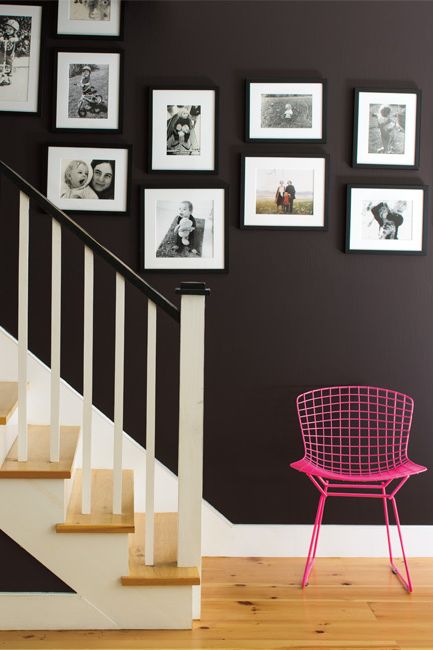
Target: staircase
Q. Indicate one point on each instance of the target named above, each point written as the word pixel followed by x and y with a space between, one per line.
pixel 128 570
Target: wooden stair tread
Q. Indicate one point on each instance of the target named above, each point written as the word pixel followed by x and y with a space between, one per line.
pixel 8 400
pixel 101 519
pixel 39 465
pixel 165 571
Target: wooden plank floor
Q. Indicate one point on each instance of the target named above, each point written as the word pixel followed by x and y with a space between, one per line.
pixel 257 603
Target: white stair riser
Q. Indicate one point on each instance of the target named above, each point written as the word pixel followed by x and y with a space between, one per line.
pixel 8 434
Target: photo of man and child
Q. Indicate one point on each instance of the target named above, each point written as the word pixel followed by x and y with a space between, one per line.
pixel 14 57
pixel 285 191
pixel 387 128
pixel 183 130
pixel 387 220
pixel 87 179
pixel 184 229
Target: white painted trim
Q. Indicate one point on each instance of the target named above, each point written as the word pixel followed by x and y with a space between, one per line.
pixel 23 324
pixel 119 355
pixel 8 435
pixel 150 434
pixel 87 382
pixel 219 535
pixel 191 400
pixel 56 284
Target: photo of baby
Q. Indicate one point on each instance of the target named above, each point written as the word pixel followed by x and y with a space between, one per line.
pixel 284 111
pixel 91 179
pixel 77 177
pixel 183 130
pixel 185 224
pixel 189 233
pixel 90 9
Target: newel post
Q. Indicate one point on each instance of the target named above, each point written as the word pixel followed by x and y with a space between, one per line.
pixel 191 398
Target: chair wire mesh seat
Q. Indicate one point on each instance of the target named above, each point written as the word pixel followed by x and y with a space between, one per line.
pixel 355 445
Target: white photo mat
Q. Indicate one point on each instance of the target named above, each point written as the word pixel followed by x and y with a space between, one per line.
pixel 67 25
pixel 55 179
pixel 409 241
pixel 28 101
pixel 153 235
pixel 256 131
pixel 205 160
pixel 293 167
pixel 365 100
pixel 64 60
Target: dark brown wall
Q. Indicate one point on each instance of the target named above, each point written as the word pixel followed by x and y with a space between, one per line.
pixel 294 311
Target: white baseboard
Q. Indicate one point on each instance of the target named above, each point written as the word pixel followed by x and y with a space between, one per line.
pixel 220 536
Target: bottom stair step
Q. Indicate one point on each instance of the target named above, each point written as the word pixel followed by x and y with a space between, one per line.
pixel 165 571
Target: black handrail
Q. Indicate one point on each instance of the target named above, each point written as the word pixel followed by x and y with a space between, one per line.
pixel 88 240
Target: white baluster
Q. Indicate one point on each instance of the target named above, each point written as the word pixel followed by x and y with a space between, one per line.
pixel 191 387
pixel 119 354
pixel 56 282
pixel 23 300
pixel 150 434
pixel 87 381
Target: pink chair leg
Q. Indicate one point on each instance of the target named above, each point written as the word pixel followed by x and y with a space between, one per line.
pixel 314 539
pixel 406 581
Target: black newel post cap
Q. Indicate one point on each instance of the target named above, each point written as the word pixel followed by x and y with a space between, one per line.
pixel 193 289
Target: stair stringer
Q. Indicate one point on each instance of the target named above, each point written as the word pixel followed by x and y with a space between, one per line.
pixel 91 564
pixel 47 611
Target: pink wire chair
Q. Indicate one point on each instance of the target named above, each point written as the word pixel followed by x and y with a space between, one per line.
pixel 355 444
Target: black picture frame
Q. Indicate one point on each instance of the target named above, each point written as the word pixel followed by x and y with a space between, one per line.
pixel 157 145
pixel 75 129
pixel 97 147
pixel 289 224
pixel 395 145
pixel 388 218
pixel 300 110
pixel 182 190
pixel 89 34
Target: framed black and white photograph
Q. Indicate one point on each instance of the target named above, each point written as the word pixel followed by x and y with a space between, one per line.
pixel 88 91
pixel 386 128
pixel 89 179
pixel 280 192
pixel 285 110
pixel 89 18
pixel 183 124
pixel 386 219
pixel 20 45
pixel 184 229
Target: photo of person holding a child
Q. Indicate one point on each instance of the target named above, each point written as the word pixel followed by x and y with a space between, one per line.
pixel 88 180
pixel 183 130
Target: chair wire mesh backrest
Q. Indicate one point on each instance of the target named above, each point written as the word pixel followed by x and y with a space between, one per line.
pixel 357 430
